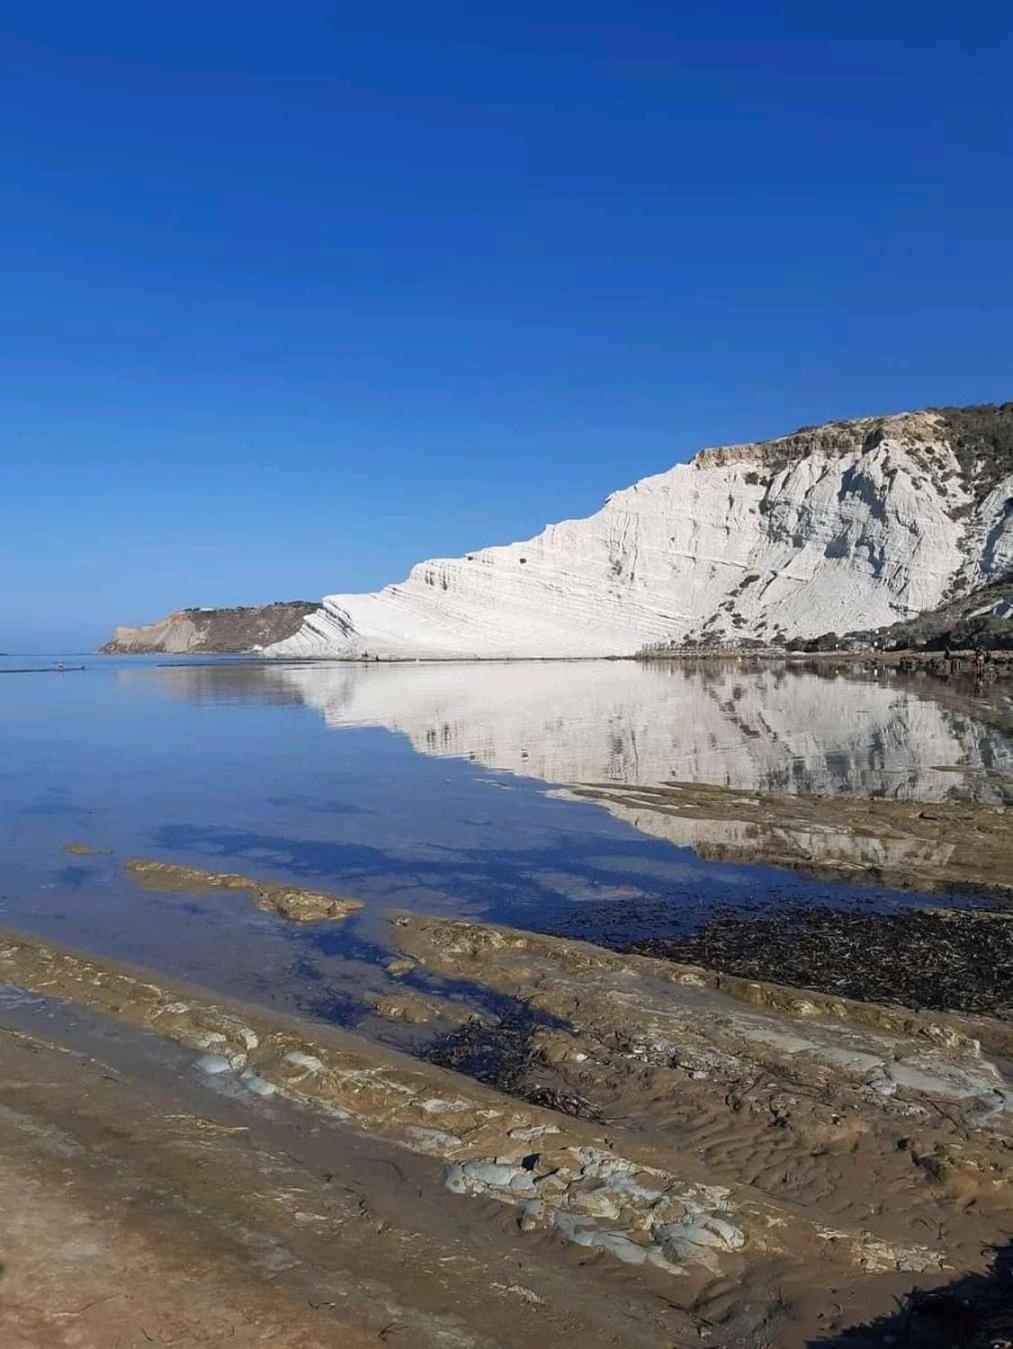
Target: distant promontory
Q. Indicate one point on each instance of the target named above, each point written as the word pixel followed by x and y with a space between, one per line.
pixel 225 631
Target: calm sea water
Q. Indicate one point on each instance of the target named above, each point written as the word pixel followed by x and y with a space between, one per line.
pixel 428 787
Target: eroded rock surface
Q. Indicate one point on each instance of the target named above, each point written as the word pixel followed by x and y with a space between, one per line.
pixel 858 1116
pixel 300 905
pixel 142 1202
pixel 638 1198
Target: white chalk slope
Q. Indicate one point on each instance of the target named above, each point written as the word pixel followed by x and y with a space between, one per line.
pixel 850 525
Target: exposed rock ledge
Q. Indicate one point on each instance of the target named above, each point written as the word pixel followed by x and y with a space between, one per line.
pixel 752 1148
pixel 293 902
pixel 213 630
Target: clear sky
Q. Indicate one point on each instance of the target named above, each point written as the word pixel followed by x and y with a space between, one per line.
pixel 295 295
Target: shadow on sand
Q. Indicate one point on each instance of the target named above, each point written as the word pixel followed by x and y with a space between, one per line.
pixel 973 1312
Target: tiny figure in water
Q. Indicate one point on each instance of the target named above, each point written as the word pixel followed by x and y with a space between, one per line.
pixel 59 666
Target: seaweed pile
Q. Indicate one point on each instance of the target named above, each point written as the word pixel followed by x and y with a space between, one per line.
pixel 505 1055
pixel 932 958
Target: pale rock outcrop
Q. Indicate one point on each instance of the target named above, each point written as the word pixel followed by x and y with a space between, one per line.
pixel 851 525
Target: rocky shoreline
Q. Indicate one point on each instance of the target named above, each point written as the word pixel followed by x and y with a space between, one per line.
pixel 966 664
pixel 672 1156
pixel 514 1138
pixel 798 1089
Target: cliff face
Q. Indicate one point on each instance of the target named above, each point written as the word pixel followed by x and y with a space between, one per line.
pixel 213 630
pixel 854 525
pixel 850 525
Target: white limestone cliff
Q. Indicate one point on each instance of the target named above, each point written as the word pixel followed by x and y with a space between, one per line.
pixel 847 526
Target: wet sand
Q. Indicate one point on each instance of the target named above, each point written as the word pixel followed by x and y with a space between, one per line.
pixel 146 1199
pixel 669 1157
pixel 137 1211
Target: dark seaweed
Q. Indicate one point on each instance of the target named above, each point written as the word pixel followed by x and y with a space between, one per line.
pixel 503 1056
pixel 960 961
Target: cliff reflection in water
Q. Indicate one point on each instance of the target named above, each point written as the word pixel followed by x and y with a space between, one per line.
pixel 773 729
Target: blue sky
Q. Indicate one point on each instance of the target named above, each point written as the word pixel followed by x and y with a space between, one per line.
pixel 295 296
